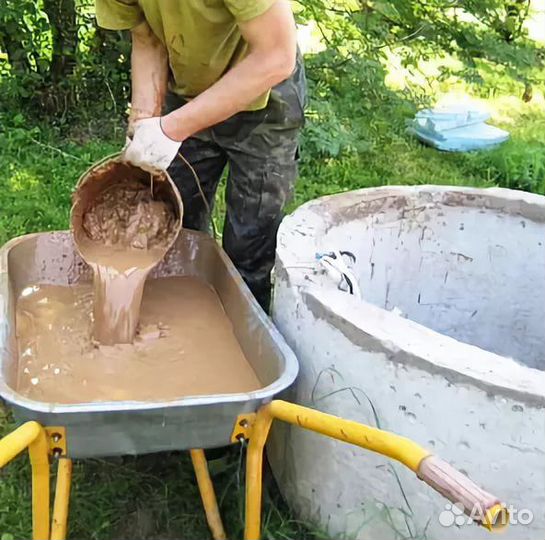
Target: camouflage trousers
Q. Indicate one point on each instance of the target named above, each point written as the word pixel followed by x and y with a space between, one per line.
pixel 260 150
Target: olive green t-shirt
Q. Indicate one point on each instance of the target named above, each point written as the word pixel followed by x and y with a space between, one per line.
pixel 201 36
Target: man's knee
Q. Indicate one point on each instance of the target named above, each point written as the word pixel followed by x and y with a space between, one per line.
pixel 277 191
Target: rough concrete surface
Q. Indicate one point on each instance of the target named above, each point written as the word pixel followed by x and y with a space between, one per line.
pixel 447 348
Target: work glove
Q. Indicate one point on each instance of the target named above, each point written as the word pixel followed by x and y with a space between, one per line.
pixel 149 148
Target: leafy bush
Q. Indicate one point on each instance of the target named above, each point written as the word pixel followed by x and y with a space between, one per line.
pixel 58 63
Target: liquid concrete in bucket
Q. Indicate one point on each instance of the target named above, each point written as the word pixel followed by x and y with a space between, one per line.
pixel 445 347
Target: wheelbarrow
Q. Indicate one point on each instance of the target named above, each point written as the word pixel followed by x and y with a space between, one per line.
pixel 62 432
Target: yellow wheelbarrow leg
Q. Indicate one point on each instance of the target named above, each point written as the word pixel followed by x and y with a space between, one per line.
pixel 33 436
pixel 254 471
pixel 207 494
pixel 62 498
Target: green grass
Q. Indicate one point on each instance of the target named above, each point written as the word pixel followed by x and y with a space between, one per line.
pixel 394 158
pixel 342 149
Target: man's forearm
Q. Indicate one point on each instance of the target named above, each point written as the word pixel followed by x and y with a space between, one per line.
pixel 256 74
pixel 149 72
pixel 272 40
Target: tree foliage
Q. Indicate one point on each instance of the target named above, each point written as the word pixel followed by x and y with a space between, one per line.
pixel 475 31
pixel 481 42
pixel 54 59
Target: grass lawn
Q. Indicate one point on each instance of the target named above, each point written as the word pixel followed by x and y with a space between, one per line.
pixel 147 497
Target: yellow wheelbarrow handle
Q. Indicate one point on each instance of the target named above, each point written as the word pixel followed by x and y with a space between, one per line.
pixel 458 488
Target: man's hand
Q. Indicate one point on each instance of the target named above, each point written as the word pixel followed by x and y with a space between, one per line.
pixel 150 148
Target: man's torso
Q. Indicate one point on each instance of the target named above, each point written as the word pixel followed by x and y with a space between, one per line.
pixel 203 41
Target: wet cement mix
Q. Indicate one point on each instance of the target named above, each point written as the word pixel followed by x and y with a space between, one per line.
pixel 126 214
pixel 126 230
pixel 185 346
pixel 123 338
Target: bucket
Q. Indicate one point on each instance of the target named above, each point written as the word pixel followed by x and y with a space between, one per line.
pixel 124 220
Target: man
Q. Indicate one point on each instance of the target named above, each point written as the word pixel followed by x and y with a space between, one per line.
pixel 230 85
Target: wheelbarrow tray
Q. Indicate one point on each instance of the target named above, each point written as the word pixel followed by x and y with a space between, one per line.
pixel 137 427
